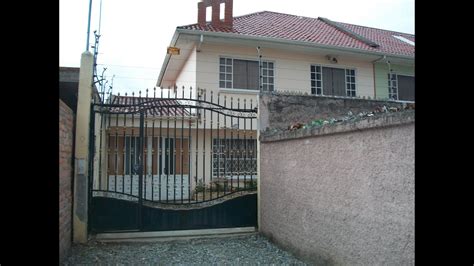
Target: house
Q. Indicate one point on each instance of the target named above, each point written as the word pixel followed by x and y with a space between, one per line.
pixel 218 62
pixel 316 56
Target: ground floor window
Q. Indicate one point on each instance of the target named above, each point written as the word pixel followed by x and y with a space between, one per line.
pixel 161 155
pixel 232 157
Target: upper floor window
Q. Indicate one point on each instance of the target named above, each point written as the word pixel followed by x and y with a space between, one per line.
pixel 243 74
pixel 333 81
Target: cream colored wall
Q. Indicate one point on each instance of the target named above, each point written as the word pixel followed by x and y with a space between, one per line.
pixel 187 76
pixel 292 69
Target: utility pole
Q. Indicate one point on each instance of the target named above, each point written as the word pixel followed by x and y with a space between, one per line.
pixel 89 25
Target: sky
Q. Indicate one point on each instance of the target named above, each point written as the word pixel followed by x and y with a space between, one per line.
pixel 136 33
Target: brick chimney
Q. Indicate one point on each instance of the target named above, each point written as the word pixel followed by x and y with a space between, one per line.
pixel 216 6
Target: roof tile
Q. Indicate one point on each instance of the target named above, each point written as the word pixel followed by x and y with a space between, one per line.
pixel 297 28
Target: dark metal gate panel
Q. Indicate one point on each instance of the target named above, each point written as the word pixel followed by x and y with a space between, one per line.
pixel 172 163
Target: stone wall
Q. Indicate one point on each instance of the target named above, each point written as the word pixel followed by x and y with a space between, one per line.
pixel 66 138
pixel 278 111
pixel 341 194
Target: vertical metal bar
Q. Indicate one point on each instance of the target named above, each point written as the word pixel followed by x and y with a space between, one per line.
pixel 251 151
pixel 168 145
pixel 182 133
pixel 211 156
pixel 153 150
pixel 102 116
pixel 189 147
pixel 218 146
pixel 132 151
pixel 174 144
pixel 160 148
pixel 204 152
pixel 116 151
pixel 145 145
pixel 90 174
pixel 109 149
pixel 232 145
pixel 123 152
pixel 153 159
pixel 140 170
pixel 197 138
pixel 226 156
pixel 246 146
pixel 238 147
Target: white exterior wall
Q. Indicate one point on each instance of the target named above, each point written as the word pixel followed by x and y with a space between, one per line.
pixel 187 76
pixel 292 69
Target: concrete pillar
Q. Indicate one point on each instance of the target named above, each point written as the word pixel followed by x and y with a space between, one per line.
pixel 84 99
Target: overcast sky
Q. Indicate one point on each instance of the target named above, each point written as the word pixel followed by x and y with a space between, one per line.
pixel 135 33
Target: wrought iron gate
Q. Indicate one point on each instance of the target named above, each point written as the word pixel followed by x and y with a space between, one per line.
pixel 181 160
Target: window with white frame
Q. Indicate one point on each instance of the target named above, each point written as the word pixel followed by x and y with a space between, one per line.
pixel 333 81
pixel 268 76
pixel 350 83
pixel 244 74
pixel 232 157
pixel 316 80
pixel 401 87
pixel 225 73
pixel 392 86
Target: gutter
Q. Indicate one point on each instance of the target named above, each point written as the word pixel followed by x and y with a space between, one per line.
pixel 174 40
pixel 285 41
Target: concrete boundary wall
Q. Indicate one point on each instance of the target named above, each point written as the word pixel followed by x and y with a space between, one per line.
pixel 342 194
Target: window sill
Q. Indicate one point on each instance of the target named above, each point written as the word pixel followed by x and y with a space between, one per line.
pixel 239 91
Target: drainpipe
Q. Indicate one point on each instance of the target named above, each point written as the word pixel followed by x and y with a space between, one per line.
pixel 201 40
pixel 373 68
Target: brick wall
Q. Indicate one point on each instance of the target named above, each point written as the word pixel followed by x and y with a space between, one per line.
pixel 66 138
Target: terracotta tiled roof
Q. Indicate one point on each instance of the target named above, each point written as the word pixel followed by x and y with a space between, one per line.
pixel 313 30
pixel 155 106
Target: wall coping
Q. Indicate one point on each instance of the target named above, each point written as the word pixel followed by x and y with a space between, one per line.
pixel 376 121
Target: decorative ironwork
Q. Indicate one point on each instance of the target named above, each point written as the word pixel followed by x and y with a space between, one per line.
pixel 181 147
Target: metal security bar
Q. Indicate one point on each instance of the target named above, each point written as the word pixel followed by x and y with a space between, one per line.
pixel 178 147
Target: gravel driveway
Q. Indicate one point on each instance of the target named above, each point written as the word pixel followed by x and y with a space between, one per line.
pixel 237 250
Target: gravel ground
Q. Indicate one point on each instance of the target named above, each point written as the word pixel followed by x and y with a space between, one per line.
pixel 238 250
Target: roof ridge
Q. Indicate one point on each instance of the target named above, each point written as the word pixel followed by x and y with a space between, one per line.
pixel 413 35
pixel 349 32
pixel 300 16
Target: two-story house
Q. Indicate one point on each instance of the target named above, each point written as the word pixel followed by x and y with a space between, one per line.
pixel 231 59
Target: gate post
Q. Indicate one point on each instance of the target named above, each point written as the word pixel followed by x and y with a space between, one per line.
pixel 81 163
